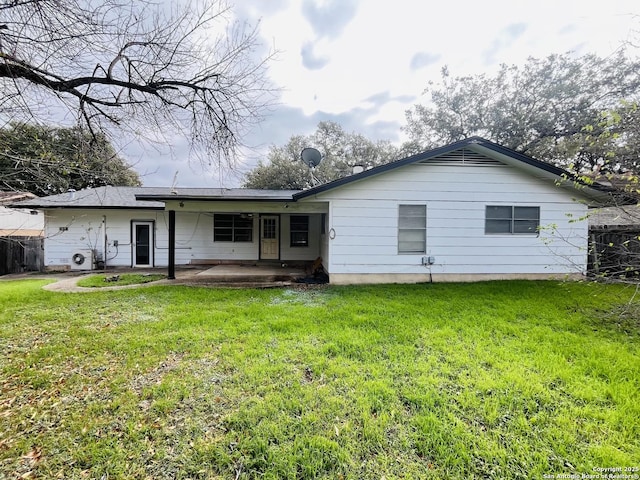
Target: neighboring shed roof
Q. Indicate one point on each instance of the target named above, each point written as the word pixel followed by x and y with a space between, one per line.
pixel 100 197
pixel 615 218
pixel 477 145
pixel 7 198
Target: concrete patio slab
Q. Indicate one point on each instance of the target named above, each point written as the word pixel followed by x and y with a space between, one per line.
pixel 254 271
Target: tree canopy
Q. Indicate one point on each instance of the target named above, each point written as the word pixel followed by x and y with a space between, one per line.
pixel 153 69
pixel 556 109
pixel 46 160
pixel 341 152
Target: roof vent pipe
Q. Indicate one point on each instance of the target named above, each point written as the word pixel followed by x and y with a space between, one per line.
pixel 358 169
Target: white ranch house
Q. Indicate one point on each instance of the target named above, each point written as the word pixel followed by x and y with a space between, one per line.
pixel 472 210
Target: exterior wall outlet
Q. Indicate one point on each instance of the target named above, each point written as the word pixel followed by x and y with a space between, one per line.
pixel 428 260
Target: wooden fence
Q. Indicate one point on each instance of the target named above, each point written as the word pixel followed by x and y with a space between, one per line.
pixel 20 254
pixel 615 253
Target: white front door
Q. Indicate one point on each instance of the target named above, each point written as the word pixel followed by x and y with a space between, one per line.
pixel 142 243
pixel 269 237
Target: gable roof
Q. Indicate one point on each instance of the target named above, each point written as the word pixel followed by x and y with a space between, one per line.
pixel 483 147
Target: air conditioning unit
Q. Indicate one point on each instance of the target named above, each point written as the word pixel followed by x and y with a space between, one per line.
pixel 82 260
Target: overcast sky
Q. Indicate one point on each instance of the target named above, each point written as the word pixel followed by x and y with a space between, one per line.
pixel 363 63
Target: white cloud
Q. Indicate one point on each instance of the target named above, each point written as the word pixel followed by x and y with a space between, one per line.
pixel 505 39
pixel 364 63
pixel 329 18
pixel 424 59
pixel 310 59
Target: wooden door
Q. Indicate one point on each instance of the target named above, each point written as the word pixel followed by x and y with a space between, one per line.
pixel 269 237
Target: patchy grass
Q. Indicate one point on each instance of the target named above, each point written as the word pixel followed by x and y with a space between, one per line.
pixel 112 280
pixel 492 380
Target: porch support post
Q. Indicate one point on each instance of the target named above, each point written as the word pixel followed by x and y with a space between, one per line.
pixel 172 245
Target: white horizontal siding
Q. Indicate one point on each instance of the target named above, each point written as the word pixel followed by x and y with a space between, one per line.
pixel 194 233
pixel 20 219
pixel 476 254
pixel 86 231
pixel 310 252
pixel 364 220
pixel 194 237
pixel 401 269
pixel 467 196
pixel 447 260
pixel 119 228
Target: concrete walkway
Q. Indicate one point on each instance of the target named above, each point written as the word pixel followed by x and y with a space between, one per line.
pixel 70 285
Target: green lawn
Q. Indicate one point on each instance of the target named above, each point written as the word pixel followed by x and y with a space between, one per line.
pixel 491 380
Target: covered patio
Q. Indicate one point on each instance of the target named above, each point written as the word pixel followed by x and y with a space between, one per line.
pixel 264 228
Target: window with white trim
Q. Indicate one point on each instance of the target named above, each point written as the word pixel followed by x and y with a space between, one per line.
pixel 232 227
pixel 509 219
pixel 412 229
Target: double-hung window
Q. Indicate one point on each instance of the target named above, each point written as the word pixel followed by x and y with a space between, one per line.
pixel 299 226
pixel 507 219
pixel 232 228
pixel 412 229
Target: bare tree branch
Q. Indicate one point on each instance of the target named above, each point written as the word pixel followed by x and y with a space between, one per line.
pixel 139 66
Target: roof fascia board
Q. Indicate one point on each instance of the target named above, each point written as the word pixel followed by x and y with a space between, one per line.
pixel 177 198
pixel 84 207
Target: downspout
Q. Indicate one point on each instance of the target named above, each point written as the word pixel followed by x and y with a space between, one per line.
pixel 172 245
pixel 104 243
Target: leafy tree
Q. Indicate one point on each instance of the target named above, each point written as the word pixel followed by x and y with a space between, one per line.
pixel 341 152
pixel 45 160
pixel 548 108
pixel 154 69
pixel 617 138
pixel 614 251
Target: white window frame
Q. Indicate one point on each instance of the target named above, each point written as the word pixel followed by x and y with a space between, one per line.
pixel 513 220
pixel 404 229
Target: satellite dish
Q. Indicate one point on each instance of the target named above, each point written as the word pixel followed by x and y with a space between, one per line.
pixel 311 157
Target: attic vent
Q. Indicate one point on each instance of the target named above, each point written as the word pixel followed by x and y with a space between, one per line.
pixel 462 157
